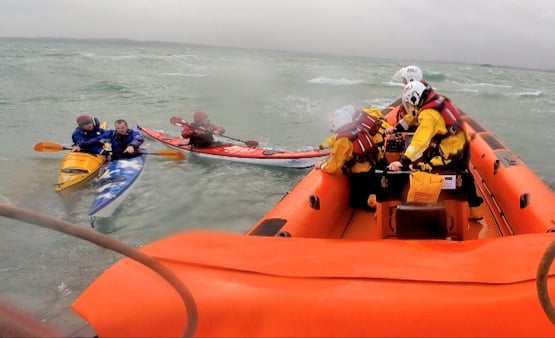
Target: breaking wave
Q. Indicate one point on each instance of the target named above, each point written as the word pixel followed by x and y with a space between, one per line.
pixel 334 82
pixel 185 74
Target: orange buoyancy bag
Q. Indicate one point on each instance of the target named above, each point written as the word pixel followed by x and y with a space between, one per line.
pixel 447 110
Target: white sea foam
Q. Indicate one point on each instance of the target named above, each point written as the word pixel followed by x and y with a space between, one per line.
pixel 377 102
pixel 64 289
pixel 87 54
pixel 393 84
pixel 185 74
pixel 468 90
pixel 531 93
pixel 138 56
pixel 334 82
pixel 482 84
pixel 293 105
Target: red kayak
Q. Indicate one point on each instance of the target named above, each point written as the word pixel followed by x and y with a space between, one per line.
pixel 240 153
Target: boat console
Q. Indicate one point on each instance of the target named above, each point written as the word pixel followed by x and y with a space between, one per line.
pixel 446 219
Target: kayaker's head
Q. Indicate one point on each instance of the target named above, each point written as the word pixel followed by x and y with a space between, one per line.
pixel 408 74
pixel 341 117
pixel 85 122
pixel 121 127
pixel 415 94
pixel 200 117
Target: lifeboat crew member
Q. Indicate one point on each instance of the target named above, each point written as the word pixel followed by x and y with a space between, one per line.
pixel 87 129
pixel 201 132
pixel 405 75
pixel 408 74
pixel 357 150
pixel 439 139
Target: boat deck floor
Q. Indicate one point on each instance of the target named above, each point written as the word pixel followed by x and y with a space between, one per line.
pixel 363 226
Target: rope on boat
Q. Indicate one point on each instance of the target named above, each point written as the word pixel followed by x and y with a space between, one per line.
pixel 541 281
pixel 33 217
pixel 13 323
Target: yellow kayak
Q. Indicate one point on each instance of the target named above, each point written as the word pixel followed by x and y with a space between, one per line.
pixel 78 167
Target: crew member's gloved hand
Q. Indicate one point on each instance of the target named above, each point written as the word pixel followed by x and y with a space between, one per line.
pixel 403 163
pixel 395 166
pixel 422 166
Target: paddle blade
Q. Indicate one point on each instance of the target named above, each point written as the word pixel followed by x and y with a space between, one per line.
pixel 49 147
pixel 178 121
pixel 175 154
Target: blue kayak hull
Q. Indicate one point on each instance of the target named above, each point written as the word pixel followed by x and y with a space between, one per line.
pixel 114 183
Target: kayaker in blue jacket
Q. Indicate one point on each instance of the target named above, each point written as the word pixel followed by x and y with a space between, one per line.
pixel 87 129
pixel 124 142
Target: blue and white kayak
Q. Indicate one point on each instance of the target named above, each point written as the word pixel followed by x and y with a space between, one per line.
pixel 114 184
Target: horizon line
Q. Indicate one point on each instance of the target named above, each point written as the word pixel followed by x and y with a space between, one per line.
pixel 120 39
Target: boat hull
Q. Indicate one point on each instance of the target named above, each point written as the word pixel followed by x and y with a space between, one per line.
pixel 305 287
pixel 242 154
pixel 312 266
pixel 114 184
pixel 76 168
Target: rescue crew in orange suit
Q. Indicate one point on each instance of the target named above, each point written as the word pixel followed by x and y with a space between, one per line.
pixel 201 132
pixel 357 151
pixel 439 139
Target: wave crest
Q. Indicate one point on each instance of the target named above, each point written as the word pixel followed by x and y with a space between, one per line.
pixel 530 94
pixel 334 82
pixel 185 74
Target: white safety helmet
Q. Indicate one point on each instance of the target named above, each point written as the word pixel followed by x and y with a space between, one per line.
pixel 414 95
pixel 341 117
pixel 408 74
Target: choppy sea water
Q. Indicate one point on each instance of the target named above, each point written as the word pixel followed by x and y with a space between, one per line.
pixel 280 99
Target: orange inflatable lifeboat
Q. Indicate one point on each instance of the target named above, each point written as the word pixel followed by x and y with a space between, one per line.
pixel 312 266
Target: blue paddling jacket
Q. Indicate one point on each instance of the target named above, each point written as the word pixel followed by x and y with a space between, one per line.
pixel 82 137
pixel 120 142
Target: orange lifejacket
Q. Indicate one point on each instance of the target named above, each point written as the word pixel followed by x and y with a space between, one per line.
pixel 446 109
pixel 368 123
pixel 363 144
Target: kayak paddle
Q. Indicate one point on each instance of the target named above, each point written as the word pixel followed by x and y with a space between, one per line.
pixel 49 147
pixel 52 147
pixel 169 153
pixel 177 121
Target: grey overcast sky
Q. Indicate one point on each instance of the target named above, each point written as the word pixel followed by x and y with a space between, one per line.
pixel 517 33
